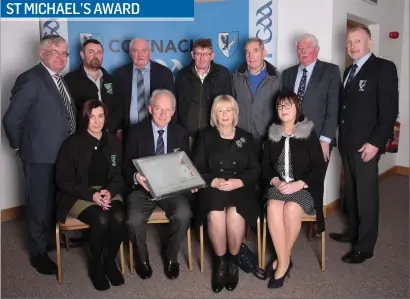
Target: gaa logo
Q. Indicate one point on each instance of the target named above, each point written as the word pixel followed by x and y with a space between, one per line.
pixel 87 36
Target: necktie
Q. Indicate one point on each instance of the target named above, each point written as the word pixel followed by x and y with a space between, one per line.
pixel 67 103
pixel 351 75
pixel 142 110
pixel 160 143
pixel 302 86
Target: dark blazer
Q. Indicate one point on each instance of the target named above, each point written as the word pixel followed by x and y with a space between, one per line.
pixel 83 89
pixel 368 113
pixel 140 143
pixel 160 78
pixel 308 164
pixel 36 121
pixel 321 99
pixel 72 170
pixel 189 88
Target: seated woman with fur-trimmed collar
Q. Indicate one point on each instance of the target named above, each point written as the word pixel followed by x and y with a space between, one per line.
pixel 294 166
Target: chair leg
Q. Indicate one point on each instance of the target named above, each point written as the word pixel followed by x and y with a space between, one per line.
pixel 131 257
pixel 201 246
pixel 263 243
pixel 58 249
pixel 258 230
pixel 188 236
pixel 323 248
pixel 67 240
pixel 122 257
pixel 310 231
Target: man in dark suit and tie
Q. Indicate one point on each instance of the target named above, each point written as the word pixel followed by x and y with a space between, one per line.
pixel 367 116
pixel 317 84
pixel 137 80
pixel 148 138
pixel 41 115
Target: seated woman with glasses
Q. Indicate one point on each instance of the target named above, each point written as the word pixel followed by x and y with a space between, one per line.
pixel 89 185
pixel 224 155
pixel 293 164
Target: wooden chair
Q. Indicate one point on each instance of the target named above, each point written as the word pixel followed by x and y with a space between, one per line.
pixel 158 216
pixel 201 243
pixel 305 218
pixel 74 224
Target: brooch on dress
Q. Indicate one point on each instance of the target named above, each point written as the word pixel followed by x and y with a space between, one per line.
pixel 240 142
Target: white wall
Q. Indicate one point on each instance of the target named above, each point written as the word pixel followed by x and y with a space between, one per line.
pixel 403 155
pixel 384 17
pixel 18 53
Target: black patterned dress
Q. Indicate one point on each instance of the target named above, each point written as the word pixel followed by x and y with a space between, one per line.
pixel 284 168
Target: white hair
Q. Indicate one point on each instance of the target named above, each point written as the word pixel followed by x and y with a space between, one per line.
pixel 308 36
pixel 158 92
pixel 137 39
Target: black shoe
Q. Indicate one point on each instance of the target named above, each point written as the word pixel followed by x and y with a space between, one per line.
pixel 171 269
pixel 342 238
pixel 113 273
pixel 143 269
pixel 219 274
pixel 97 275
pixel 232 277
pixel 356 257
pixel 42 263
pixel 270 271
pixel 278 283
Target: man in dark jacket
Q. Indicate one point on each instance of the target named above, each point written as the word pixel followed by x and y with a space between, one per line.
pixel 91 81
pixel 197 85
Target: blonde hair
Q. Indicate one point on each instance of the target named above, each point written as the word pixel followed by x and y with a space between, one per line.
pixel 224 98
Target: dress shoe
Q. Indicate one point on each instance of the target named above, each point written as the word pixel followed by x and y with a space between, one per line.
pixel 356 257
pixel 278 283
pixel 113 273
pixel 143 269
pixel 42 263
pixel 219 273
pixel 97 275
pixel 232 277
pixel 342 238
pixel 171 269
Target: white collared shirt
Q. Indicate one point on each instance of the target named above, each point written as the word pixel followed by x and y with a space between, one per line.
pixel 202 77
pixel 52 73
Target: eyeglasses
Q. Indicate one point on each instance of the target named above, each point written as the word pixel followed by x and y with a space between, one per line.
pixel 286 106
pixel 55 53
pixel 206 55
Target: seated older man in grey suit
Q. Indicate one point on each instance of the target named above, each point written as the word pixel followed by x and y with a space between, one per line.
pixel 317 84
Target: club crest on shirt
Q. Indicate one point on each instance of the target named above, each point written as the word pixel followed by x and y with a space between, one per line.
pixel 108 87
pixel 114 160
pixel 362 85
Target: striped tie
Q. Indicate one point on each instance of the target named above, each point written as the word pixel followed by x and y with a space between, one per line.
pixel 142 109
pixel 160 143
pixel 351 75
pixel 67 103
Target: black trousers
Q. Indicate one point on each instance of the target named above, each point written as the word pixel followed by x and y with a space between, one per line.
pixel 40 205
pixel 139 209
pixel 107 229
pixel 362 199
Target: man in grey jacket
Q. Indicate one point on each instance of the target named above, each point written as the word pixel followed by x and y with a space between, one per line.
pixel 254 85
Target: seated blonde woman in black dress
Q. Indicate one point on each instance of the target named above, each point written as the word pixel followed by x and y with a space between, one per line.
pixel 293 164
pixel 224 155
pixel 89 182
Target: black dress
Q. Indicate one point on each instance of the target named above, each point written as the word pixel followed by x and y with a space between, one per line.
pixel 216 157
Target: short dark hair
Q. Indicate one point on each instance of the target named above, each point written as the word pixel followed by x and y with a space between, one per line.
pixel 202 43
pixel 88 108
pixel 288 96
pixel 364 28
pixel 91 41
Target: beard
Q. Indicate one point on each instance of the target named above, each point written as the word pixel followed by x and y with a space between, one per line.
pixel 95 63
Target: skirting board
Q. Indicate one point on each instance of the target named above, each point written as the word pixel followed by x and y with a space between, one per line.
pixel 17 213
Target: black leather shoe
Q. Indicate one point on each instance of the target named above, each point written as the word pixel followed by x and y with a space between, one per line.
pixel 342 238
pixel 171 269
pixel 219 274
pixel 143 269
pixel 356 257
pixel 278 283
pixel 42 263
pixel 232 277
